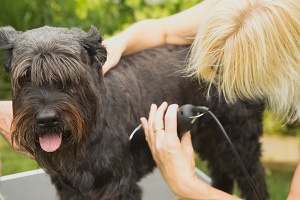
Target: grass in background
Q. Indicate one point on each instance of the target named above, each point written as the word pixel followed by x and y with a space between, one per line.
pixel 278 182
pixel 13 162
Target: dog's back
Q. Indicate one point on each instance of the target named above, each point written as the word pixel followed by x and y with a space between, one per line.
pixel 154 76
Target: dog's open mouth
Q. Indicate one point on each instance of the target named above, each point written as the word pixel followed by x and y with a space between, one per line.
pixel 50 142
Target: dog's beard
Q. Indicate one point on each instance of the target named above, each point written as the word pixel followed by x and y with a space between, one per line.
pixel 64 141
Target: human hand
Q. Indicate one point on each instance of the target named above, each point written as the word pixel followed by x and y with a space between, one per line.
pixel 6 117
pixel 115 47
pixel 174 158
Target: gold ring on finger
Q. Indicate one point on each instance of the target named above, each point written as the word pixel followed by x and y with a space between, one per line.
pixel 159 129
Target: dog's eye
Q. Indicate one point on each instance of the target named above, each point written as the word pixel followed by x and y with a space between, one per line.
pixel 26 73
pixel 25 76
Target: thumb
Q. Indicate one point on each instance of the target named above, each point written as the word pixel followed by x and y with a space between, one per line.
pixel 186 143
pixel 107 66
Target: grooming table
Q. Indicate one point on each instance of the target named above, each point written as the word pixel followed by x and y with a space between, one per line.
pixel 36 185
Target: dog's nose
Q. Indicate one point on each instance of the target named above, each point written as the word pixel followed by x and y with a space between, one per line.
pixel 47 118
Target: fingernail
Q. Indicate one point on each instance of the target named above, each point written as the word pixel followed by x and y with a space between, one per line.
pixel 154 105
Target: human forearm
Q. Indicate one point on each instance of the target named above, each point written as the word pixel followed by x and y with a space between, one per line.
pixel 294 191
pixel 142 35
pixel 177 29
pixel 6 135
pixel 198 190
pixel 5 119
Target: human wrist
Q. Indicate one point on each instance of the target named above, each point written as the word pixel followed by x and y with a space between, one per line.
pixel 140 36
pixel 127 39
pixel 291 197
pixel 123 39
pixel 194 189
pixel 120 40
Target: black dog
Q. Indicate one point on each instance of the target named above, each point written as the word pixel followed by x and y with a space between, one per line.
pixel 76 123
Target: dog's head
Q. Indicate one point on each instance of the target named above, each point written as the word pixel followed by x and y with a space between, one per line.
pixel 54 75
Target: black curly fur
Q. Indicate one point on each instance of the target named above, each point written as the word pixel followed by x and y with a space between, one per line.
pixel 97 161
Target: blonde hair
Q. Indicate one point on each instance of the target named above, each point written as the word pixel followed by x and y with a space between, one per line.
pixel 250 49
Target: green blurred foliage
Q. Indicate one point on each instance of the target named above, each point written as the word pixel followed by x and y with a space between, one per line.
pixel 276 126
pixel 109 16
pixel 13 162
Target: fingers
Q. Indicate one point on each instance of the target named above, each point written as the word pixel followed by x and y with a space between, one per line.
pixel 151 118
pixel 106 67
pixel 186 142
pixel 148 128
pixel 109 64
pixel 145 127
pixel 158 121
pixel 171 120
pixel 166 142
pixel 114 53
pixel 154 126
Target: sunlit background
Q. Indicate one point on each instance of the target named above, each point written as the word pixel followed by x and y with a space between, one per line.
pixel 280 142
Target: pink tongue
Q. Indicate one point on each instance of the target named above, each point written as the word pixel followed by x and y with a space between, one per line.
pixel 50 142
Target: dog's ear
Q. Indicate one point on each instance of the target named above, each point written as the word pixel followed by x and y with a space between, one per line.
pixel 92 43
pixel 7 35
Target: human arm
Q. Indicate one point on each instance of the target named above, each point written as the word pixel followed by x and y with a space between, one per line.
pixel 5 119
pixel 6 116
pixel 177 29
pixel 295 186
pixel 174 157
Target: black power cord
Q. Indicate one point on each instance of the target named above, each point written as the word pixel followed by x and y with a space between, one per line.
pixel 240 162
pixel 187 115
